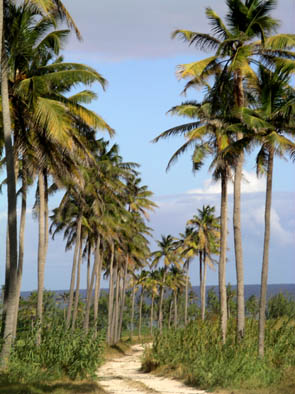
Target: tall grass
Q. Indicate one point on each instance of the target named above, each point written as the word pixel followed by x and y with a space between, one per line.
pixel 62 353
pixel 196 353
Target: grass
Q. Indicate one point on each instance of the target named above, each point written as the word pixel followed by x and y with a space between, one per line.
pixel 196 355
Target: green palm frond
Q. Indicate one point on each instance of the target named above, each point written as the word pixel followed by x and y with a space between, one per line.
pixel 54 41
pixel 90 118
pixel 196 68
pixel 188 109
pixel 200 40
pixel 280 41
pixel 179 152
pixel 83 97
pixel 217 24
pixel 178 130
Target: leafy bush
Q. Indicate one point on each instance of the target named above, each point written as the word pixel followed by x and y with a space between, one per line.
pixel 62 353
pixel 197 354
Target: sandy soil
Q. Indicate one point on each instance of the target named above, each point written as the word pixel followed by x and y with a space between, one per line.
pixel 122 375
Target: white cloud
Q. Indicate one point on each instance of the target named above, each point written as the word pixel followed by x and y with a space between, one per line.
pixel 250 184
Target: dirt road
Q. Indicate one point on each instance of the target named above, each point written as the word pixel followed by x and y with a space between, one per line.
pixel 122 375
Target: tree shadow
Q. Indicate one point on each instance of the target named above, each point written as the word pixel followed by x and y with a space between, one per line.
pixel 56 388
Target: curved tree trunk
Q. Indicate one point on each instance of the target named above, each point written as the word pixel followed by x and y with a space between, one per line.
pixel 237 221
pixel 73 275
pixel 222 257
pixel 41 254
pixel 77 291
pixel 12 219
pixel 264 273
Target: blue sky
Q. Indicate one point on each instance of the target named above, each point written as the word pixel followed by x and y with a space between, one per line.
pixel 129 44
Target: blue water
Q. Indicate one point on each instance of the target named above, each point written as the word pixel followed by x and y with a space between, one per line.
pixel 288 289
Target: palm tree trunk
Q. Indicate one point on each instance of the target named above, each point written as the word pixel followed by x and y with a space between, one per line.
pixel 12 221
pixel 237 221
pixel 264 273
pixel 222 257
pixel 111 296
pixel 73 275
pixel 89 293
pixel 116 310
pixel 41 254
pixel 203 290
pixel 175 308
pixel 46 212
pixel 123 298
pixel 170 313
pixel 7 276
pixel 201 279
pixel 21 244
pixel 160 322
pixel 77 292
pixel 152 313
pixel 186 293
pixel 132 312
pixel 140 313
pixel 113 316
pixel 97 291
pixel 88 265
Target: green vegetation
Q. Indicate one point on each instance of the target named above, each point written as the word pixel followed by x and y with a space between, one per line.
pixel 196 353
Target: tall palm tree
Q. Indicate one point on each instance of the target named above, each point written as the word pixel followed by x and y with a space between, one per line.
pixel 208 134
pixel 270 122
pixel 237 46
pixel 53 6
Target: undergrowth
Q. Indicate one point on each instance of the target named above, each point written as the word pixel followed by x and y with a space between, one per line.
pixel 62 353
pixel 196 354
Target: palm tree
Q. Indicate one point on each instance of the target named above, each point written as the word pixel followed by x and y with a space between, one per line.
pixel 188 248
pixel 208 133
pixel 176 282
pixel 166 252
pixel 269 122
pixel 54 6
pixel 152 286
pixel 208 230
pixel 236 49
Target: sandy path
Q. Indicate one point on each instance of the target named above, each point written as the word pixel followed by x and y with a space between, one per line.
pixel 122 375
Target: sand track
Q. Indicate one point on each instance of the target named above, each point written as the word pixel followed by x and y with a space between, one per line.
pixel 122 375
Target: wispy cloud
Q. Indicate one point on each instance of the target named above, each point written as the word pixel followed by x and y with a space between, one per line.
pixel 250 184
